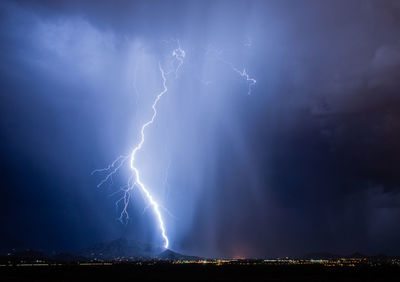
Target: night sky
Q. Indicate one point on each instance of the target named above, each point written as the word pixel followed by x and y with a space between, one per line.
pixel 308 162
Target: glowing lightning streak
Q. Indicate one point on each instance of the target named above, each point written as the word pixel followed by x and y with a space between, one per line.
pixel 245 75
pixel 251 81
pixel 178 54
pixel 138 182
pixel 115 166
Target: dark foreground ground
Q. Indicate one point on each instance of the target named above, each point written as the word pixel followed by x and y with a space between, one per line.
pixel 170 272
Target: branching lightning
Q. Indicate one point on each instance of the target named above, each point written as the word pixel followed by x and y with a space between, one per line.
pixel 135 180
pixel 245 75
pixel 113 167
pixel 218 54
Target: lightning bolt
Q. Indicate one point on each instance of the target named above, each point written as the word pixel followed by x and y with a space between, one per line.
pixel 245 75
pixel 178 55
pixel 135 180
pixel 138 181
pixel 218 55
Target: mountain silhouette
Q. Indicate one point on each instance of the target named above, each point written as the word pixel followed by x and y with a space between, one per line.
pixel 171 255
pixel 121 249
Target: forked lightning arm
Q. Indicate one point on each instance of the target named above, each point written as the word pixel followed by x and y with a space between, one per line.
pixel 217 53
pixel 244 74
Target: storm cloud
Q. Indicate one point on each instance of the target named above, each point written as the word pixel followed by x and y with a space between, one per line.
pixel 307 162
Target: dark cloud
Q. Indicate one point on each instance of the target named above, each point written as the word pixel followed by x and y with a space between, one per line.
pixel 307 163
